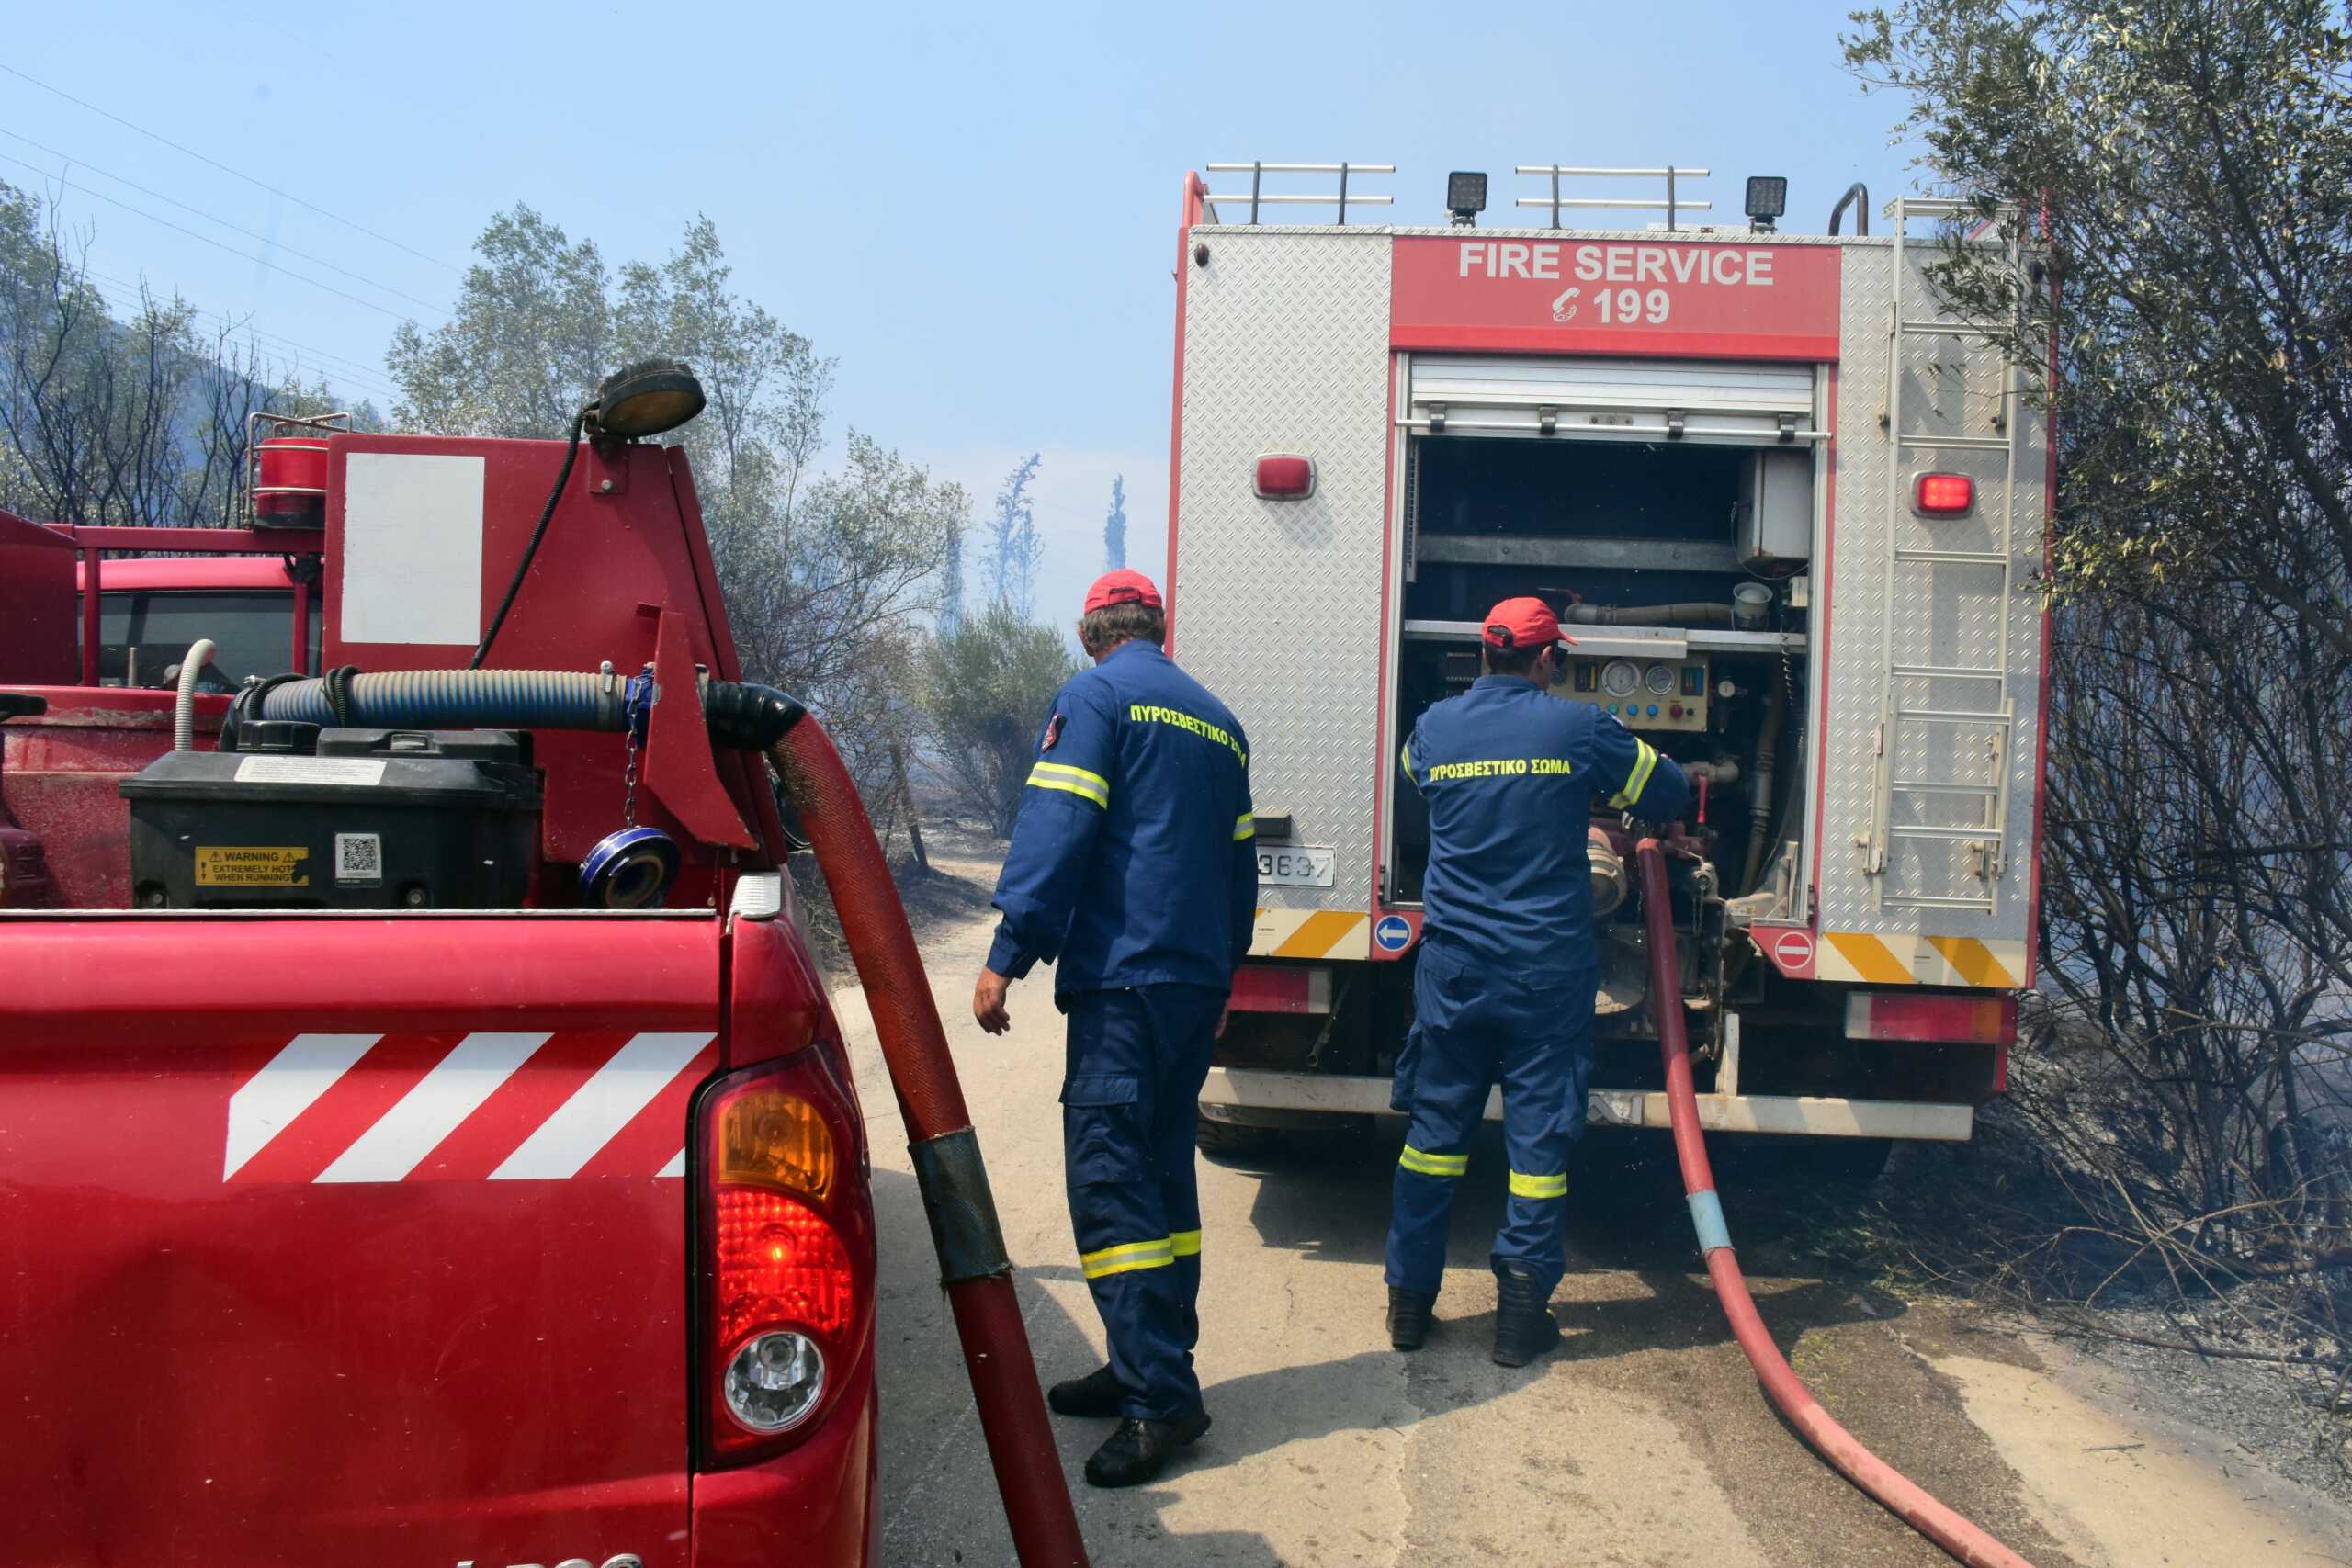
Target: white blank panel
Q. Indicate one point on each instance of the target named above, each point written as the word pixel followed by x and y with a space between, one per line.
pixel 412 549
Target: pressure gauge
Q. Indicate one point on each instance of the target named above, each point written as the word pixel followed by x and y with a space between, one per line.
pixel 1660 680
pixel 1620 677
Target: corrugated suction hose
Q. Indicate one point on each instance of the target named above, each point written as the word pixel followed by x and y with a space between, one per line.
pixel 1903 1497
pixel 200 654
pixel 988 1314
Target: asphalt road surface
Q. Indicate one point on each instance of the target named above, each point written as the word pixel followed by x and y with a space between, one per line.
pixel 1644 1441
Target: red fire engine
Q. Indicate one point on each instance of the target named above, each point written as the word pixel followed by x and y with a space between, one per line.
pixel 1789 506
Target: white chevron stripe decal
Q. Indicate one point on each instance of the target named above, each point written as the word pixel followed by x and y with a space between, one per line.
pixel 282 1091
pixel 601 1107
pixel 452 1092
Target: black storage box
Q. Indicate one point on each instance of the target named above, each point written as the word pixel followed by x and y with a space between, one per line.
pixel 306 818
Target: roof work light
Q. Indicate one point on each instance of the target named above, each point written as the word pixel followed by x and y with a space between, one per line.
pixel 645 399
pixel 1767 198
pixel 1465 196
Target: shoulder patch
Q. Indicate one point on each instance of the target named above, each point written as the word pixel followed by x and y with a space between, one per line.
pixel 1053 732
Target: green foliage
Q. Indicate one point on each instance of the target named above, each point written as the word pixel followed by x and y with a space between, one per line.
pixel 827 578
pixel 984 696
pixel 2192 164
pixel 531 335
pixel 2182 172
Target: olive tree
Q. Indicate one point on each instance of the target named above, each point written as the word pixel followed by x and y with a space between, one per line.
pixel 829 579
pixel 984 694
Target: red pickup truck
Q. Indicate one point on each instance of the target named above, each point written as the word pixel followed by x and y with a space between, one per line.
pixel 350 1219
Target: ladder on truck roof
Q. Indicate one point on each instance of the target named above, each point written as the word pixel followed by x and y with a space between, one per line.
pixel 1947 727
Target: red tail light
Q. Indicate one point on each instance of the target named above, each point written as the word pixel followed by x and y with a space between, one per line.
pixel 787 1282
pixel 1943 495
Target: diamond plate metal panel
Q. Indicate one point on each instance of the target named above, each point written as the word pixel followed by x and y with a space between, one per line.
pixel 1944 614
pixel 1278 602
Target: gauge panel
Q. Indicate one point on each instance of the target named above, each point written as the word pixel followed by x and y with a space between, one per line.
pixel 1670 694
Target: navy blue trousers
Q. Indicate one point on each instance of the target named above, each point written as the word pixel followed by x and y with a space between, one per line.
pixel 1472 1029
pixel 1131 1093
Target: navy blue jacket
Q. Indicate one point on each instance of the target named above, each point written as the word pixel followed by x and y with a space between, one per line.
pixel 1510 776
pixel 1134 861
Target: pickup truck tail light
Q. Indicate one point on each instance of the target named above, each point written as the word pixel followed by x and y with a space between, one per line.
pixel 787 1286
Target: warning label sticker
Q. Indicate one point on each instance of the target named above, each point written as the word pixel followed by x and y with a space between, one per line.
pixel 252 865
pixel 311 770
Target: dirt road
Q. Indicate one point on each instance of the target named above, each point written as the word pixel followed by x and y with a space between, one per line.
pixel 1643 1441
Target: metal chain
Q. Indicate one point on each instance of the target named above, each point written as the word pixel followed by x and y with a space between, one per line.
pixel 628 797
pixel 634 718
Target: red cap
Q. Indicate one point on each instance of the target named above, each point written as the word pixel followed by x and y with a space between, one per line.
pixel 1122 587
pixel 1524 622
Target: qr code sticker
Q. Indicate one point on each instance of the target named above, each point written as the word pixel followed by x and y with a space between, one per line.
pixel 358 857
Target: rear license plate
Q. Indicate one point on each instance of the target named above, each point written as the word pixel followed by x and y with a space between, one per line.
pixel 1294 866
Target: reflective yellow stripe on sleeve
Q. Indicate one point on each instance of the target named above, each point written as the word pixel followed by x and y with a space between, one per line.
pixel 1525 1186
pixel 1404 758
pixel 1128 1257
pixel 1645 764
pixel 1245 827
pixel 1186 1244
pixel 1413 1159
pixel 1077 781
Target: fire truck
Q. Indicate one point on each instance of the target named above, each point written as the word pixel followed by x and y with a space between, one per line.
pixel 424 1137
pixel 1790 506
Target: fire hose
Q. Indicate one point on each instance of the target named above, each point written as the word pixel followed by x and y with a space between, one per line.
pixel 1902 1497
pixel 955 1189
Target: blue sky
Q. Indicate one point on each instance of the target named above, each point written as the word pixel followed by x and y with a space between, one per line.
pixel 973 210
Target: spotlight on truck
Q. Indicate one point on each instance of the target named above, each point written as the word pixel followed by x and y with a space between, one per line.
pixel 1465 196
pixel 647 399
pixel 1767 198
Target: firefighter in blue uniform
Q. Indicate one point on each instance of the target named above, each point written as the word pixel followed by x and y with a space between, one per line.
pixel 1503 991
pixel 1134 870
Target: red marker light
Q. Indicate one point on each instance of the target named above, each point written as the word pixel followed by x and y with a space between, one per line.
pixel 1282 477
pixel 1943 495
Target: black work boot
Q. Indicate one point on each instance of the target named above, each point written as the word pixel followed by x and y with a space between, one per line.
pixel 1524 1327
pixel 1408 1318
pixel 1139 1450
pixel 1096 1394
